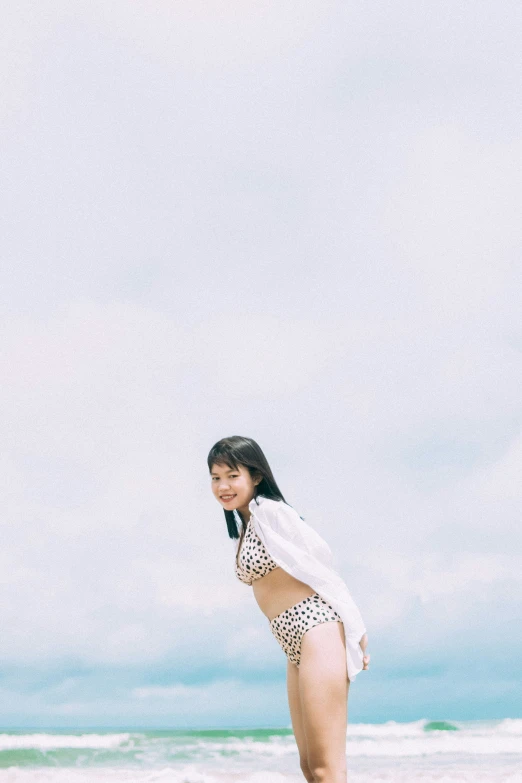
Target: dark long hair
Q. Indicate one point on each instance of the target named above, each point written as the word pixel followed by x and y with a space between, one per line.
pixel 235 451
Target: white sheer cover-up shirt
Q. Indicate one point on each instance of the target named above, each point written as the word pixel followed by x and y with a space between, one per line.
pixel 297 548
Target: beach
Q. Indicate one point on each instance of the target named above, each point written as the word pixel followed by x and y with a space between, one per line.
pixel 428 751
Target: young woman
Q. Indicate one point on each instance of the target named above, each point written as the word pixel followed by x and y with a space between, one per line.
pixel 309 609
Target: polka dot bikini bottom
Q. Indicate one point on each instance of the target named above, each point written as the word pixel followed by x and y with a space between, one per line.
pixel 290 626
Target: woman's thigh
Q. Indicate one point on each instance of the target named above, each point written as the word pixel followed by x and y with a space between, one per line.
pixel 294 702
pixel 323 690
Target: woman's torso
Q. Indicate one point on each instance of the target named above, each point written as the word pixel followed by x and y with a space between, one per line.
pixel 275 590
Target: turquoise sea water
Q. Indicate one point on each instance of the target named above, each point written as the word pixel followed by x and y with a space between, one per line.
pixel 443 751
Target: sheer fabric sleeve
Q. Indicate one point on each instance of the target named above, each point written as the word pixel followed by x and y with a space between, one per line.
pixel 287 519
pixel 297 548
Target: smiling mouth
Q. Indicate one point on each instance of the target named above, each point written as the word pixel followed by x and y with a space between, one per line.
pixel 227 498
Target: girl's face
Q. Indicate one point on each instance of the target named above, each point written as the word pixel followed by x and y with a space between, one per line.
pixel 233 488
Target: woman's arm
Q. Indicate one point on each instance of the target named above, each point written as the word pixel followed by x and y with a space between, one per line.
pixel 295 547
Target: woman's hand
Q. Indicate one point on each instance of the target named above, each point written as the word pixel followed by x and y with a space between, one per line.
pixel 363 645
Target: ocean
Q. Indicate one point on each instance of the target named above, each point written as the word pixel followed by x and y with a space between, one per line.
pixel 424 751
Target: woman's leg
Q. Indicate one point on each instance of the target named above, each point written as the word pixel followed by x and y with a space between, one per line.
pixel 323 690
pixel 294 702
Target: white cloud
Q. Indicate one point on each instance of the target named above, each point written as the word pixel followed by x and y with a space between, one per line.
pixel 453 221
pixel 296 224
pixel 451 582
pixel 109 575
pixel 503 481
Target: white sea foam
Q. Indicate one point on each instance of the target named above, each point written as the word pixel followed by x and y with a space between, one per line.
pixel 417 728
pixel 474 752
pixel 458 773
pixel 510 726
pixel 188 774
pixel 364 740
pixel 55 741
pixel 389 729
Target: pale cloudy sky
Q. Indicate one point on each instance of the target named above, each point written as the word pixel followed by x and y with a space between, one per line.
pixel 296 223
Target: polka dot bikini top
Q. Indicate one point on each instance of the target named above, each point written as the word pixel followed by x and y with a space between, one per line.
pixel 254 560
